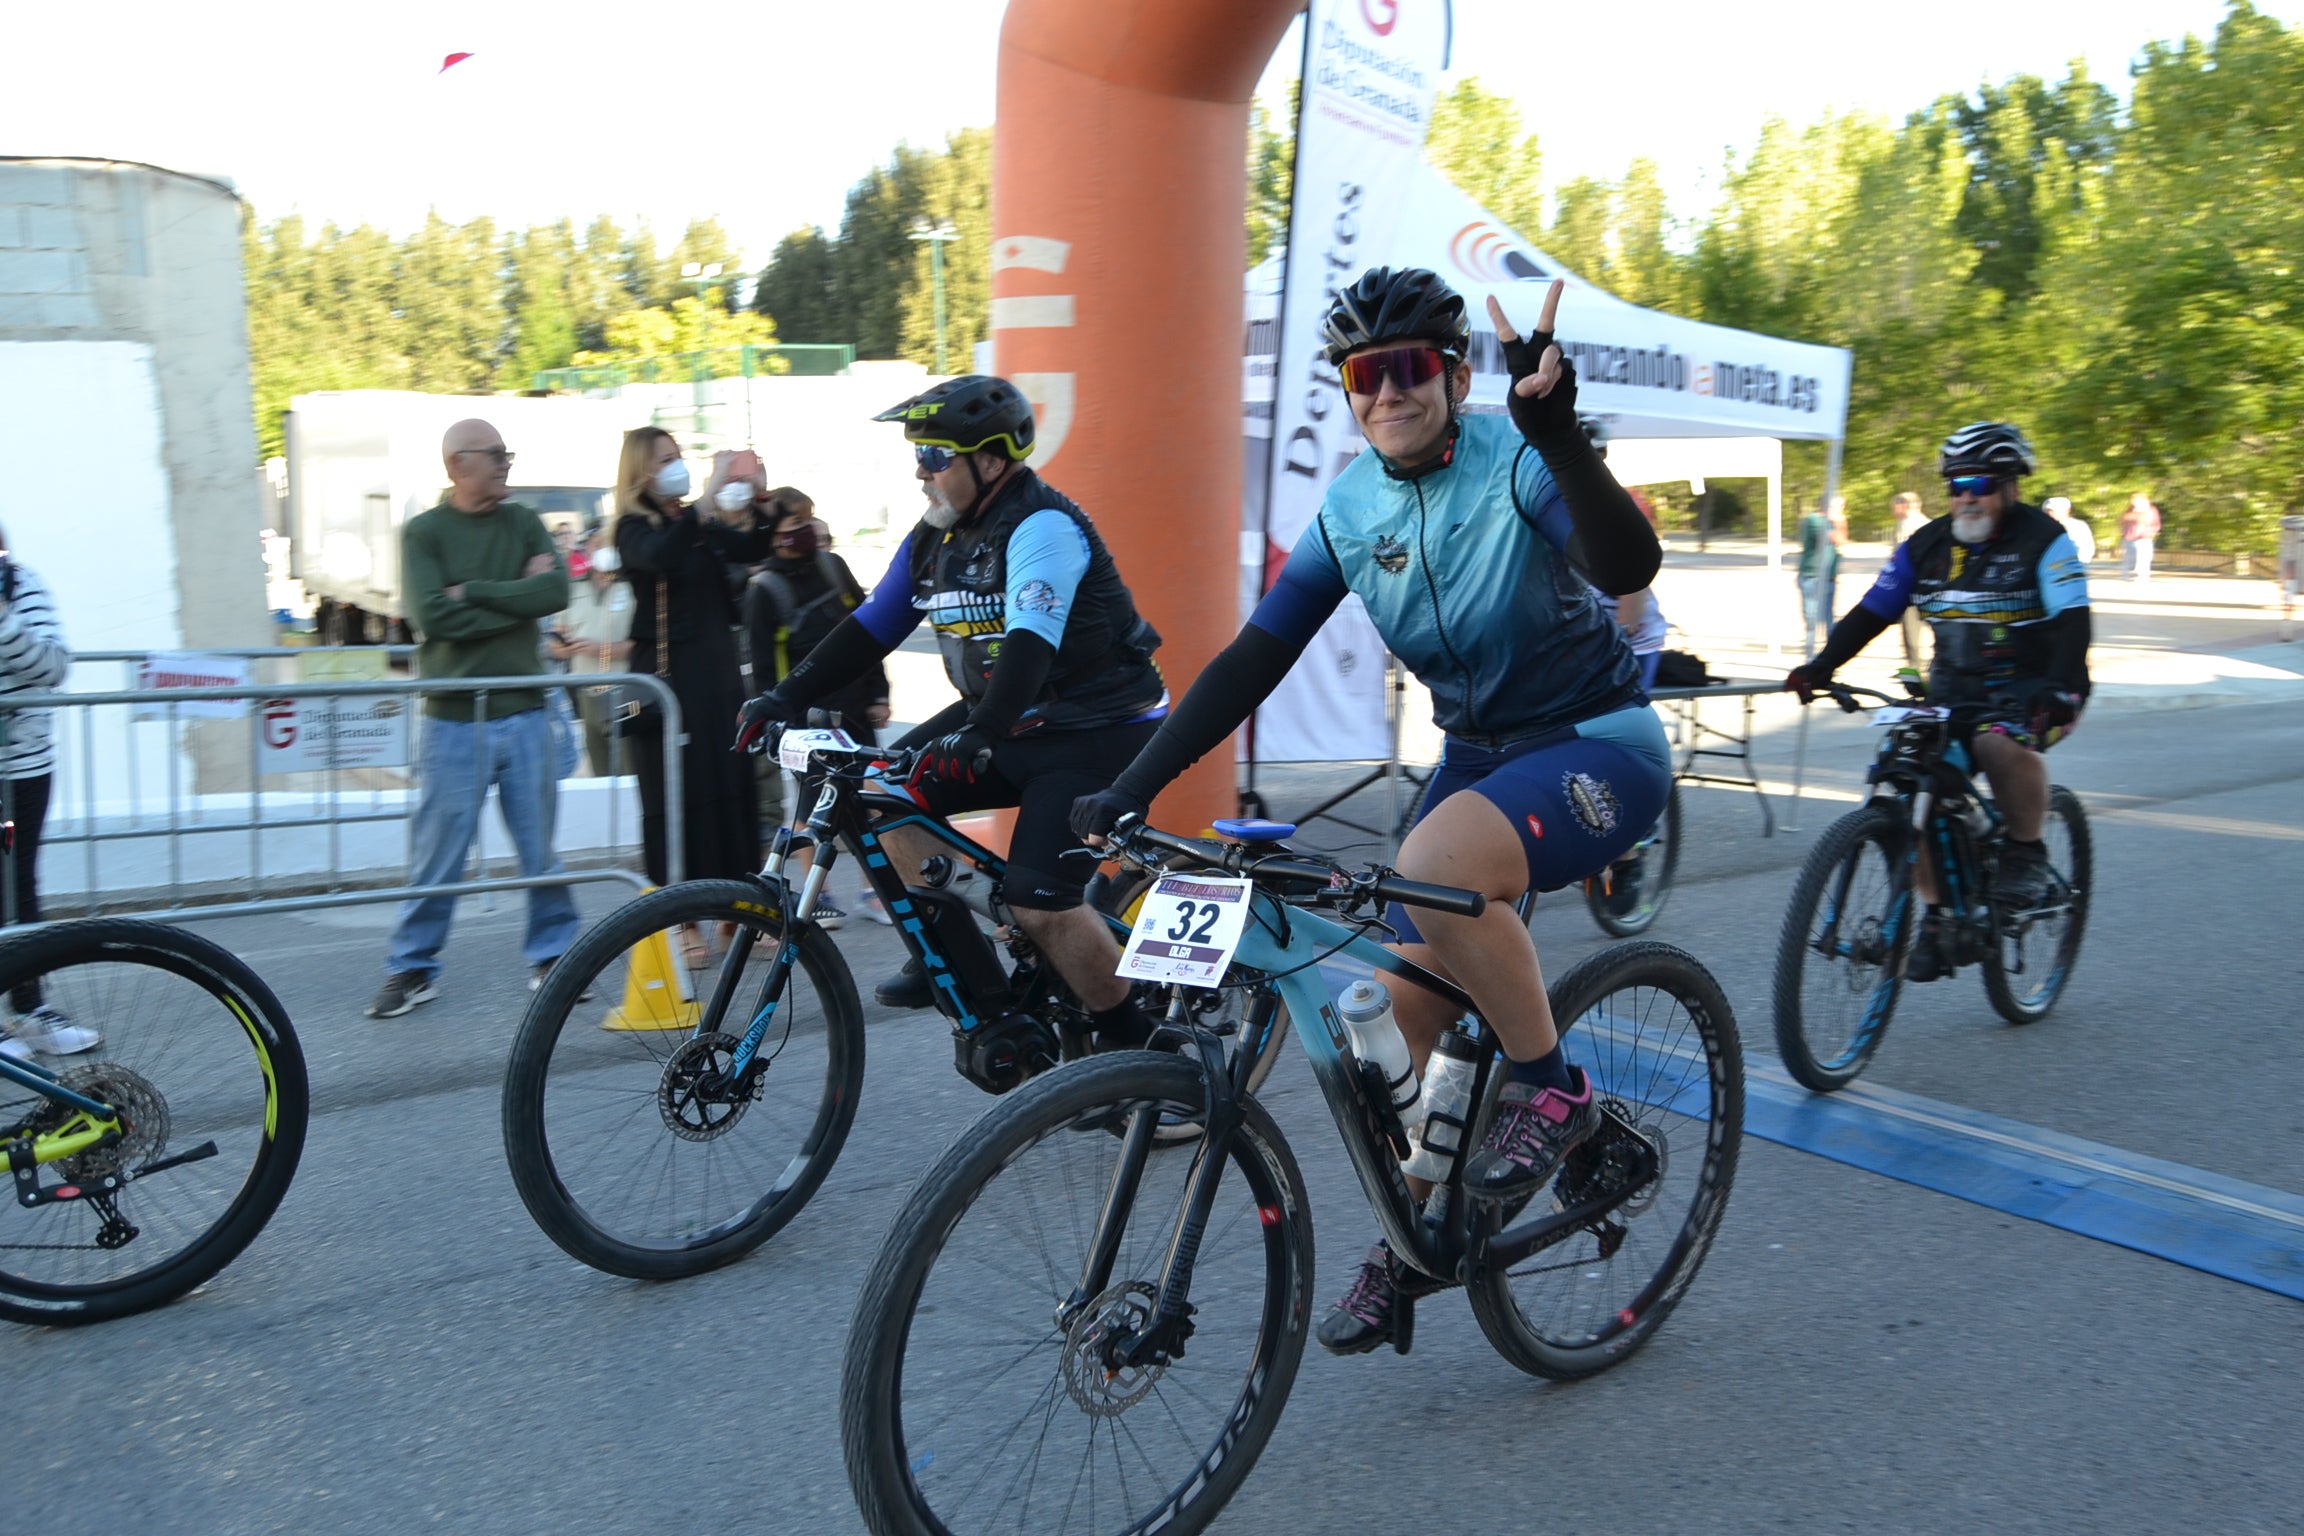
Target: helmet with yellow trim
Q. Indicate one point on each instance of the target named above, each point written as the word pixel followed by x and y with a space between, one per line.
pixel 975 413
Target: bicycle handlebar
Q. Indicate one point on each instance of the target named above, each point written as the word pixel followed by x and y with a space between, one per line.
pixel 1229 856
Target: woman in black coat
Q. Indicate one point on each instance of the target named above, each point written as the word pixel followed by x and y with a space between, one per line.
pixel 678 556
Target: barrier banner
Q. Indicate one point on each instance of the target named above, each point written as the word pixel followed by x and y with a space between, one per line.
pixel 191 669
pixel 1371 70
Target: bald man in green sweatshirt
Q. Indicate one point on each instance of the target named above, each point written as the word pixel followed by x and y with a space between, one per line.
pixel 478 571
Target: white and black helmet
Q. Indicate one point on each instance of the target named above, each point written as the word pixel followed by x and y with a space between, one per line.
pixel 1987 448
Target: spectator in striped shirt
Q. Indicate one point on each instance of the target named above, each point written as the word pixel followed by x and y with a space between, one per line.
pixel 33 659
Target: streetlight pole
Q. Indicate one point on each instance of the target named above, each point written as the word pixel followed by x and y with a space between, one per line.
pixel 937 237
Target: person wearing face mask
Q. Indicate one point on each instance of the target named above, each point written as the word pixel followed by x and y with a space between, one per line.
pixel 1052 662
pixel 2005 595
pixel 676 555
pixel 594 636
pixel 1480 546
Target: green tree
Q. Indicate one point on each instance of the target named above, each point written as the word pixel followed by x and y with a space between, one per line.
pixel 954 188
pixel 798 290
pixel 449 293
pixel 1271 173
pixel 1477 141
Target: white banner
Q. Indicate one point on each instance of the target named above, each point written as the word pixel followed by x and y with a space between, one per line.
pixel 1371 69
pixel 301 735
pixel 192 669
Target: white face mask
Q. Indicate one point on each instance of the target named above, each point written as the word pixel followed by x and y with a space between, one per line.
pixel 607 560
pixel 735 496
pixel 671 481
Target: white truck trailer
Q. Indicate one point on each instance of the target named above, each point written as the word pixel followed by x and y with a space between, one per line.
pixel 362 462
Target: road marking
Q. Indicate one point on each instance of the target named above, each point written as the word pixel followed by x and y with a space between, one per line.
pixel 2205 1221
pixel 2227 826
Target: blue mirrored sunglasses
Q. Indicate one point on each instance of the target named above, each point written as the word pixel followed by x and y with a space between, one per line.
pixel 932 459
pixel 1971 485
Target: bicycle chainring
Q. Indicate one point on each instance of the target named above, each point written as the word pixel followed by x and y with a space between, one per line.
pixel 695 1096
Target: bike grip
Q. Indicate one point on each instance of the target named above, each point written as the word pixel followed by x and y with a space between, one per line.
pixel 1440 898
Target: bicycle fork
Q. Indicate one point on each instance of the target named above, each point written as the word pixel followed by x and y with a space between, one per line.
pixel 1164 1334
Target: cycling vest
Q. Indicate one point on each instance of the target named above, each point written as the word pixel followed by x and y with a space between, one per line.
pixel 1103 672
pixel 1987 603
pixel 1464 573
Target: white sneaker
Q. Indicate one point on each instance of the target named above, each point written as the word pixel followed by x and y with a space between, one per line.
pixel 870 907
pixel 44 1029
pixel 15 1049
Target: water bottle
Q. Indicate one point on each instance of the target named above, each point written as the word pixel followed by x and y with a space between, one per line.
pixel 1366 1009
pixel 1445 1106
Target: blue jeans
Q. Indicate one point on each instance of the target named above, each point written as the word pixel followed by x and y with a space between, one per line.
pixel 461 759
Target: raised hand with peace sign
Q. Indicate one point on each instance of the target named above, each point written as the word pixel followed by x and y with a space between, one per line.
pixel 1542 398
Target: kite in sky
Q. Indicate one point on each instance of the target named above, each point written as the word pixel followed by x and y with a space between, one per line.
pixel 452 61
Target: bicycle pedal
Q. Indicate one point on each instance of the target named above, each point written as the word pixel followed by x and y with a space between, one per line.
pixel 1403 1322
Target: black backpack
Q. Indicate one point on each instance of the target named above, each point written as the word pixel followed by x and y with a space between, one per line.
pixel 794 627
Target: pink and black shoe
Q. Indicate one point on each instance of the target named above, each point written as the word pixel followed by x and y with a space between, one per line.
pixel 1534 1130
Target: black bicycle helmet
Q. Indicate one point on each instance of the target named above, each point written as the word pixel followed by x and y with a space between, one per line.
pixel 1407 304
pixel 970 414
pixel 1986 448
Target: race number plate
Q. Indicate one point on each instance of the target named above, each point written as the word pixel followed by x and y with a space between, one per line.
pixel 1186 930
pixel 1897 714
pixel 793 750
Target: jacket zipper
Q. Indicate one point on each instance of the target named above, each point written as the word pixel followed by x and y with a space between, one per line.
pixel 1439 625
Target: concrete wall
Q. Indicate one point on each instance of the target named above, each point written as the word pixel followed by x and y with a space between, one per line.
pixel 120 289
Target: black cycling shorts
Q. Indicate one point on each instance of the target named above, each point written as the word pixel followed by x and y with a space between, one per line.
pixel 1041 775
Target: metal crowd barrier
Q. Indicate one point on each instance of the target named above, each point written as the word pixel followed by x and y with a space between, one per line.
pixel 326 808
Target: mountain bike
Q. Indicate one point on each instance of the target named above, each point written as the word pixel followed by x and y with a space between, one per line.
pixel 663 1119
pixel 1840 964
pixel 1067 1332
pixel 143 1167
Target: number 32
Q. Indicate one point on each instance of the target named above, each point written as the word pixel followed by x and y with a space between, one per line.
pixel 1206 912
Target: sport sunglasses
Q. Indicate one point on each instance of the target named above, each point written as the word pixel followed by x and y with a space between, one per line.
pixel 931 458
pixel 1406 367
pixel 1971 485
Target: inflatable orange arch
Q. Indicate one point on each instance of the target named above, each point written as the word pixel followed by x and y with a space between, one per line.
pixel 1119 184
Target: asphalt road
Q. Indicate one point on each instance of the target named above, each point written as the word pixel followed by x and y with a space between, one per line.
pixel 403 1350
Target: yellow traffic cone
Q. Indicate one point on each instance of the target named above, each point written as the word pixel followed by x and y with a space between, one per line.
pixel 657 993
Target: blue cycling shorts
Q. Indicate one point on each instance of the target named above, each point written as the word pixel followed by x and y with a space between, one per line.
pixel 1578 801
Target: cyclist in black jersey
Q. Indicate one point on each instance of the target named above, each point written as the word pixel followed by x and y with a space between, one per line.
pixel 2002 587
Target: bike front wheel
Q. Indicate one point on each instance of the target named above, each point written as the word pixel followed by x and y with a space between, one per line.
pixel 203 1069
pixel 1840 959
pixel 1657 1039
pixel 2033 951
pixel 979 1392
pixel 629 1140
pixel 1629 900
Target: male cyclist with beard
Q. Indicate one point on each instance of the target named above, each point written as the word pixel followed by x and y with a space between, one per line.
pixel 2004 590
pixel 1476 543
pixel 1053 664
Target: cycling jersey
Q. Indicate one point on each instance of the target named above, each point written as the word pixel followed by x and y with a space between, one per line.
pixel 1998 608
pixel 1466 575
pixel 1033 563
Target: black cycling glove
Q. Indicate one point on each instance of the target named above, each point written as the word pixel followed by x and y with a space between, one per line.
pixel 1540 417
pixel 1097 814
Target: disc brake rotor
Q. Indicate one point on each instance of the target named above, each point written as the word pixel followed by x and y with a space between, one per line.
pixel 1102 1391
pixel 695 1097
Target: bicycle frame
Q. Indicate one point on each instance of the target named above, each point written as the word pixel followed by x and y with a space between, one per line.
pixel 94 1123
pixel 850 816
pixel 1448 1240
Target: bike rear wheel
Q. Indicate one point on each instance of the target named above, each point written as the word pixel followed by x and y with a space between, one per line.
pixel 625 1140
pixel 1847 934
pixel 201 1062
pixel 1655 1035
pixel 1631 897
pixel 970 1400
pixel 2032 951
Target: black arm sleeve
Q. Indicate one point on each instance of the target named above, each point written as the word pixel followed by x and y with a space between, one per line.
pixel 2068 636
pixel 1854 632
pixel 1017 678
pixel 1614 546
pixel 1235 682
pixel 839 658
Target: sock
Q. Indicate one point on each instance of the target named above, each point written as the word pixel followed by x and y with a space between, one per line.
pixel 1123 1025
pixel 1549 1070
